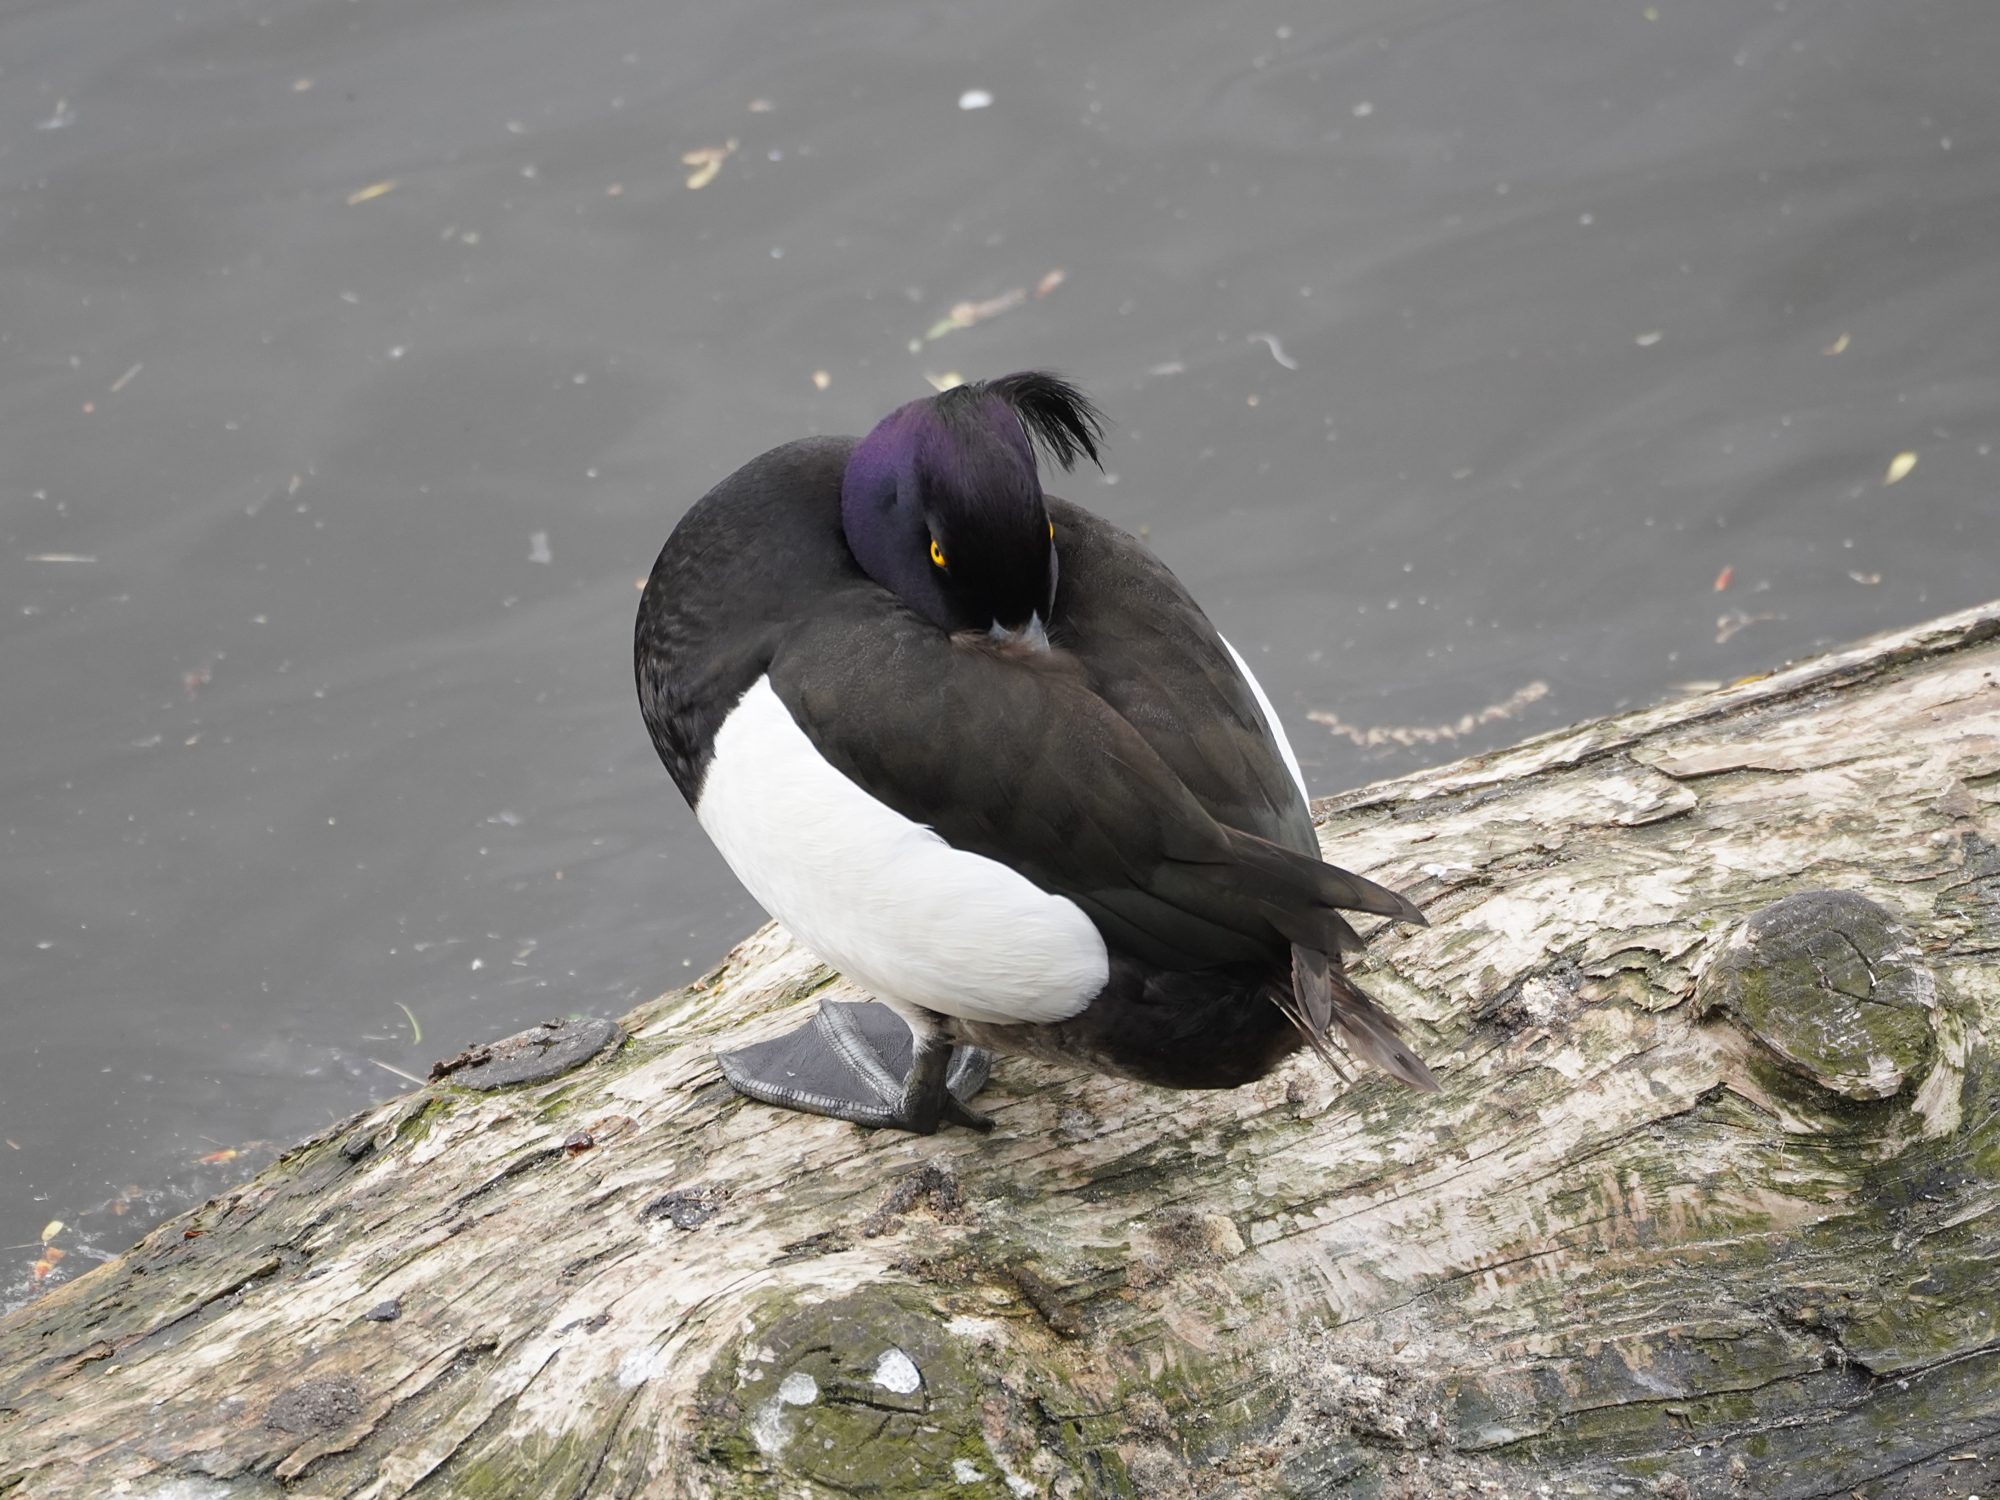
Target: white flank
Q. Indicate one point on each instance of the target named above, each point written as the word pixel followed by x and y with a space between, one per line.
pixel 884 900
pixel 1270 718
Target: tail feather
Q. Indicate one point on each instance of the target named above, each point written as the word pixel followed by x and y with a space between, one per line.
pixel 1324 999
pixel 1284 876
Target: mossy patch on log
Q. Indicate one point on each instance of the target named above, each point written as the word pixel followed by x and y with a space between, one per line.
pixel 1835 987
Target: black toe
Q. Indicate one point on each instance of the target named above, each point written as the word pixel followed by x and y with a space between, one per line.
pixel 853 1062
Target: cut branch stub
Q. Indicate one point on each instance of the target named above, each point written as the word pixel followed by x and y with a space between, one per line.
pixel 862 1393
pixel 1834 987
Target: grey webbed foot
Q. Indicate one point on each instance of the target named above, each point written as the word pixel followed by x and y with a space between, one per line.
pixel 860 1062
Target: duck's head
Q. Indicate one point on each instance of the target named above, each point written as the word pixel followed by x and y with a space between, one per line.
pixel 943 506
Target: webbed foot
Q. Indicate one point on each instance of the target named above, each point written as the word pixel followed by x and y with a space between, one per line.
pixel 861 1062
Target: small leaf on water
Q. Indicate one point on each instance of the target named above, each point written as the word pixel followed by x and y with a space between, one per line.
pixel 1899 468
pixel 706 161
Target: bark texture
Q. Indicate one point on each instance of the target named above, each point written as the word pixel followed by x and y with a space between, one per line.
pixel 1707 1206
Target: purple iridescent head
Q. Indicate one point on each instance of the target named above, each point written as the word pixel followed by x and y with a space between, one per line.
pixel 943 506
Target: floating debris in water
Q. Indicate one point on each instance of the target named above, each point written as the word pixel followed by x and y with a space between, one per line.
pixel 1270 341
pixel 1899 468
pixel 968 313
pixel 1431 734
pixel 372 191
pixel 538 548
pixel 707 161
pixel 1726 626
pixel 974 99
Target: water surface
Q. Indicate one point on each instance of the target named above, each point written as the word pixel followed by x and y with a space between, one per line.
pixel 1483 368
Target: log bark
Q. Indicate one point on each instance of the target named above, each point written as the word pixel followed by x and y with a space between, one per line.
pixel 1707 1206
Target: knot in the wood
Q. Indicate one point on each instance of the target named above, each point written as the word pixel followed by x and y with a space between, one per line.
pixel 314 1406
pixel 532 1056
pixel 1834 987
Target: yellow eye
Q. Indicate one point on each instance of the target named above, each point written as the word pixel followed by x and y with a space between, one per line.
pixel 937 553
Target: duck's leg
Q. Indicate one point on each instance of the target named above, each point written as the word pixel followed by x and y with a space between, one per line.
pixel 865 1064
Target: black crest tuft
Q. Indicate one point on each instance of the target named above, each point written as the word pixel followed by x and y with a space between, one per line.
pixel 1055 413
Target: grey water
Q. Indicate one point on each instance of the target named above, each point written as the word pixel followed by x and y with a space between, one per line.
pixel 1482 367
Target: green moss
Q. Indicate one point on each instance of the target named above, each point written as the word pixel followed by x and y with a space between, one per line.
pixel 1834 988
pixel 417 1126
pixel 531 1464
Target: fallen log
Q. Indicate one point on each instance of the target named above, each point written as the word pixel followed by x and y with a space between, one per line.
pixel 1707 1205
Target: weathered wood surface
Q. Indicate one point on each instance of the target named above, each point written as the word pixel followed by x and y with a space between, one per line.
pixel 1698 1213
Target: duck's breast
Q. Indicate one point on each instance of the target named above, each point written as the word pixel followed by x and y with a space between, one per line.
pixel 880 896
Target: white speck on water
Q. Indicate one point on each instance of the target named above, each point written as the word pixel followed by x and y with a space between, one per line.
pixel 965 1471
pixel 538 548
pixel 1363 110
pixel 1647 340
pixel 896 1371
pixel 798 1389
pixel 974 99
